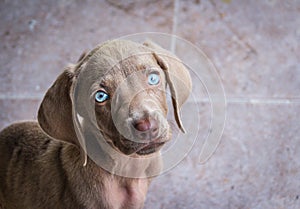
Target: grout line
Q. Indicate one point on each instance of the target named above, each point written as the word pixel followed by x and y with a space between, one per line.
pixel 258 101
pixel 174 26
pixel 265 100
pixel 229 100
pixel 35 96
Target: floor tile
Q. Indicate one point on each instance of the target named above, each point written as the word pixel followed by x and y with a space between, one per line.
pixel 255 166
pixel 39 40
pixel 254 45
pixel 14 110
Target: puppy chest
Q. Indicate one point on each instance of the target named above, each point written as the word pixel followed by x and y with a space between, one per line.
pixel 126 194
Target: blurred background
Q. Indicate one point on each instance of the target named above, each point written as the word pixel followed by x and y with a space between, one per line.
pixel 255 46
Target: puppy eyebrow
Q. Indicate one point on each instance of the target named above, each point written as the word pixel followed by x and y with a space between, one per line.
pixel 142 67
pixel 103 85
pixel 153 70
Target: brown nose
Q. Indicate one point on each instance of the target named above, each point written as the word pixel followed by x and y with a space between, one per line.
pixel 148 128
pixel 142 125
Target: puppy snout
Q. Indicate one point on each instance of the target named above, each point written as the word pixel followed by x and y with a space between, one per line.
pixel 145 125
pixel 146 128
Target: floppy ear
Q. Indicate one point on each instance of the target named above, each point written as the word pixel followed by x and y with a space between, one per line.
pixel 178 78
pixel 55 112
pixel 56 116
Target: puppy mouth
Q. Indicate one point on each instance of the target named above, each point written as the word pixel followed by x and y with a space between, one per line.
pixel 128 147
pixel 150 148
pixel 142 147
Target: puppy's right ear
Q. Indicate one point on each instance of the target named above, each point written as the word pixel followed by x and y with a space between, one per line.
pixel 55 112
pixel 177 76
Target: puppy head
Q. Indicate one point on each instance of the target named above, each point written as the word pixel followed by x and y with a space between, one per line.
pixel 118 90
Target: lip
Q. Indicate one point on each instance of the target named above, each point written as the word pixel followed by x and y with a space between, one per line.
pixel 150 148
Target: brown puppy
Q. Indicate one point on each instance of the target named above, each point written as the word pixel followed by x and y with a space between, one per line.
pixel 100 128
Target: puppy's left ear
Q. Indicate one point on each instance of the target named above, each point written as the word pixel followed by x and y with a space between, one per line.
pixel 56 112
pixel 178 78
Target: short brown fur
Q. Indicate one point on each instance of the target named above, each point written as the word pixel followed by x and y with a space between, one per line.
pixel 42 163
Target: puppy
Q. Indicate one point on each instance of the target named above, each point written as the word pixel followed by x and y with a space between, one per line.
pixel 100 129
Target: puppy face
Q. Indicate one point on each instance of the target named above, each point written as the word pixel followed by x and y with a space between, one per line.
pixel 118 90
pixel 129 102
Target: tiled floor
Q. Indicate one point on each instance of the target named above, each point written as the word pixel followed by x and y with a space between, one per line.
pixel 255 46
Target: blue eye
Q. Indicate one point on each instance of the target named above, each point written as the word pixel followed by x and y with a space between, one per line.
pixel 101 96
pixel 153 79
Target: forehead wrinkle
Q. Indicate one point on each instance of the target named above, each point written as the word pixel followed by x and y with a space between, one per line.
pixel 135 64
pixel 104 64
pixel 127 71
pixel 125 56
pixel 113 52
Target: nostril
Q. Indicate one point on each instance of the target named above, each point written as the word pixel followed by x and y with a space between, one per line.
pixel 142 125
pixel 154 125
pixel 154 129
